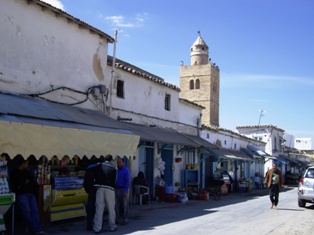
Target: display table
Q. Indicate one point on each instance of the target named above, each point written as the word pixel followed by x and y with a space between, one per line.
pixel 68 198
pixel 171 197
pixel 6 200
pixel 160 192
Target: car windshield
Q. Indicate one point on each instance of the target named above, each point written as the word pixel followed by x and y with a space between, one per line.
pixel 310 173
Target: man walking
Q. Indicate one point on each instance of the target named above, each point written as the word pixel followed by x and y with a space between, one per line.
pixel 274 182
pixel 122 192
pixel 105 180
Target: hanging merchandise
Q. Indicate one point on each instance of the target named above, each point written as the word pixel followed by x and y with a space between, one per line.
pixel 6 197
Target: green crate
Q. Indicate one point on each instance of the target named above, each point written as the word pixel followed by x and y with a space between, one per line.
pixel 5 199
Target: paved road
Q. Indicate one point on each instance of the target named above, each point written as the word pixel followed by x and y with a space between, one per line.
pixel 237 213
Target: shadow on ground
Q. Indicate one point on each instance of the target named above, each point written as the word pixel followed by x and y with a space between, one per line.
pixel 147 217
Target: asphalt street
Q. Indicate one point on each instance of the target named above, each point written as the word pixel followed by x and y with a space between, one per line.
pixel 200 217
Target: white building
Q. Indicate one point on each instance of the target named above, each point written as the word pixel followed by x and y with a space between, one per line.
pixel 303 143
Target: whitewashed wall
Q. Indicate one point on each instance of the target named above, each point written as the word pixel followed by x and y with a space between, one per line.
pixel 227 139
pixel 303 143
pixel 190 115
pixel 41 51
pixel 144 101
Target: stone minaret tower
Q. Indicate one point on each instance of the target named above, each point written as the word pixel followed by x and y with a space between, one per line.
pixel 199 82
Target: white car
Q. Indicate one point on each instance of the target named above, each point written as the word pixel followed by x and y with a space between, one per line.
pixel 306 187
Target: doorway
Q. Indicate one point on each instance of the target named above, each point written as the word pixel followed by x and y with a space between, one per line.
pixel 167 157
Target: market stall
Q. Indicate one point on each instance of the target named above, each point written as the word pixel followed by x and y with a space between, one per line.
pixel 6 197
pixel 68 197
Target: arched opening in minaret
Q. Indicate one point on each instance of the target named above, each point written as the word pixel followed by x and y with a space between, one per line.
pixel 197 84
pixel 191 84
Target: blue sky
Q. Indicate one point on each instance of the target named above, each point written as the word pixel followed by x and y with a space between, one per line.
pixel 264 49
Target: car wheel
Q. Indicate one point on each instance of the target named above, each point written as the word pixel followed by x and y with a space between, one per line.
pixel 301 203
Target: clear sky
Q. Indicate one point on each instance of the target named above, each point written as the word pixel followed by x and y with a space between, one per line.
pixel 264 49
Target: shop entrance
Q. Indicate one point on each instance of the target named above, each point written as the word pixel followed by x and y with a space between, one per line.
pixel 167 157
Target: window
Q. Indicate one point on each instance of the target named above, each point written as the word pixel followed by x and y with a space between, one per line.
pixel 190 157
pixel 191 84
pixel 197 84
pixel 275 143
pixel 167 102
pixel 235 146
pixel 310 173
pixel 120 89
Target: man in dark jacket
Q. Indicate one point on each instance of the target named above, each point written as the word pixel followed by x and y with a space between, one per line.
pixel 105 180
pixel 24 185
pixel 89 181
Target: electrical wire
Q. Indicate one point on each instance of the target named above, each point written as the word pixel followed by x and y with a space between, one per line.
pixel 38 95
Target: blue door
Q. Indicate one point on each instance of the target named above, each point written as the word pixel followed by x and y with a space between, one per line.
pixel 167 157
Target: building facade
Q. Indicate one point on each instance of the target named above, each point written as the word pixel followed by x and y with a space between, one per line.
pixel 200 82
pixel 303 143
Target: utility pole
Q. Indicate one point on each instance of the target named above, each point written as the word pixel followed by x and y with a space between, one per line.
pixel 113 69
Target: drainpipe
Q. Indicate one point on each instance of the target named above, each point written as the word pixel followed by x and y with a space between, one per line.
pixel 199 125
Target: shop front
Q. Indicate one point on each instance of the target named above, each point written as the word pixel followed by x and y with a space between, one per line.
pixel 59 142
pixel 180 155
pixel 236 165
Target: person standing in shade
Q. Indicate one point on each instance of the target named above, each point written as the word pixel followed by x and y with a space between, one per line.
pixel 90 189
pixel 105 179
pixel 274 182
pixel 25 187
pixel 122 192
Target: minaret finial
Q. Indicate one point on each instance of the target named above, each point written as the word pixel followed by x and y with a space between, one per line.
pixel 199 33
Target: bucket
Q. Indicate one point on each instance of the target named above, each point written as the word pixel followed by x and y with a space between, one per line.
pixel 168 189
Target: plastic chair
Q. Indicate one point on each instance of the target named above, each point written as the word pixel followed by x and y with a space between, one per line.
pixel 258 182
pixel 138 193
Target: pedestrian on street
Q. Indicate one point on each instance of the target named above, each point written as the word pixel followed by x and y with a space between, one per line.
pixel 105 180
pixel 122 192
pixel 274 182
pixel 25 187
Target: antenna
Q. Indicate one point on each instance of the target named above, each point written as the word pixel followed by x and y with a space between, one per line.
pixel 261 115
pixel 259 120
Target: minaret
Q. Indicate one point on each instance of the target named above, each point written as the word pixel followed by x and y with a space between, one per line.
pixel 199 51
pixel 200 81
